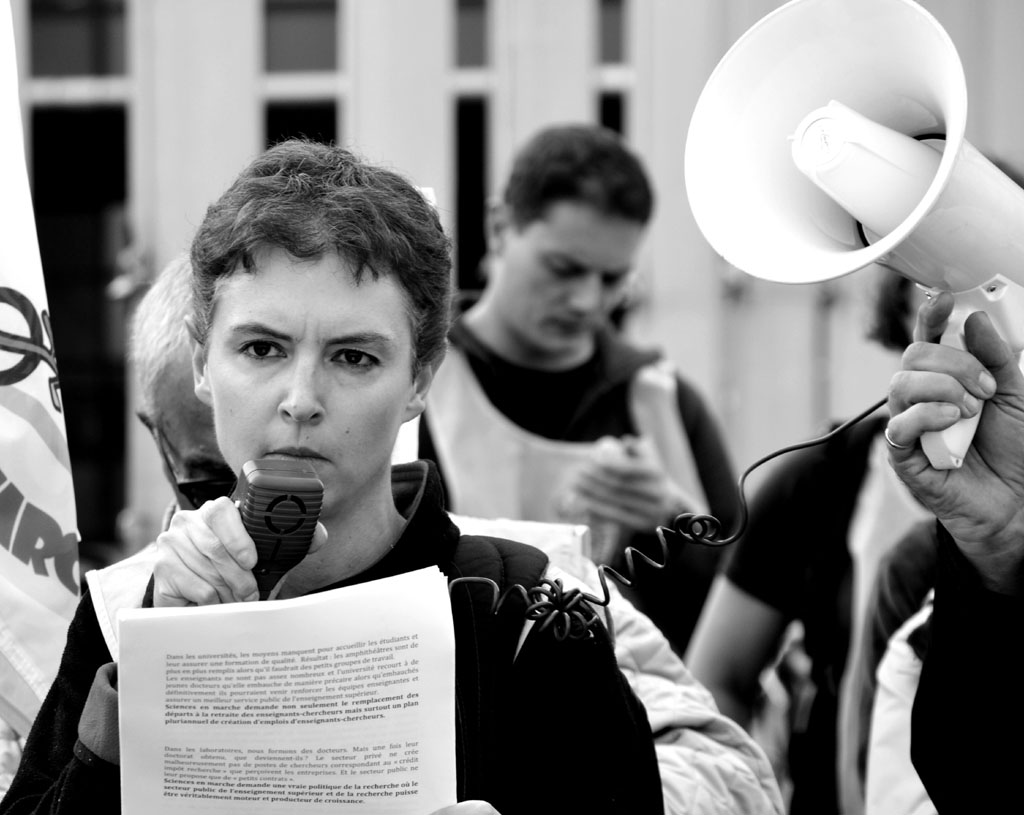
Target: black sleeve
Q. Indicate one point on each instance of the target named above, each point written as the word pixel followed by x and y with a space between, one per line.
pixel 53 776
pixel 968 713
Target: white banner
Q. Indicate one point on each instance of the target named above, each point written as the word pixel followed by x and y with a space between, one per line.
pixel 39 572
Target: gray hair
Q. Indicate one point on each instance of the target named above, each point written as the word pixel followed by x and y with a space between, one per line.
pixel 158 331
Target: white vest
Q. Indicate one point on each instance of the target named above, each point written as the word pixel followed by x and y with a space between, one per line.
pixel 495 469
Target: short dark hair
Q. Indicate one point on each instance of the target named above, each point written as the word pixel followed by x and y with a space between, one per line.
pixel 580 163
pixel 313 199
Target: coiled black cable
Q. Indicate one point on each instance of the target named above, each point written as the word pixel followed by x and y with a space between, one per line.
pixel 570 613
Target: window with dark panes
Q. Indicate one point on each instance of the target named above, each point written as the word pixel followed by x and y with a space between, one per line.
pixel 301 35
pixel 471 190
pixel 611 111
pixel 306 120
pixel 77 37
pixel 611 47
pixel 471 33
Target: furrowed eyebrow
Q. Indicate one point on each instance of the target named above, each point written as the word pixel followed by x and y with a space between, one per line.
pixel 245 329
pixel 363 338
pixel 372 338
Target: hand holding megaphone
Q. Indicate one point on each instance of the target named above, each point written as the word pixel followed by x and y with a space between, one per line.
pixel 879 175
pixel 980 504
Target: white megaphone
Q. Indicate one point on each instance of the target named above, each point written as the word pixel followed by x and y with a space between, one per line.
pixel 831 137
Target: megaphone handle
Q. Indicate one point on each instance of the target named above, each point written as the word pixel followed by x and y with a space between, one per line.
pixel 946 449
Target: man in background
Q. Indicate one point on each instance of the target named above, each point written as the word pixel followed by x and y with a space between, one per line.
pixel 181 425
pixel 542 411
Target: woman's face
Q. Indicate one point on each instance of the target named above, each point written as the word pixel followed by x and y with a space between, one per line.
pixel 300 362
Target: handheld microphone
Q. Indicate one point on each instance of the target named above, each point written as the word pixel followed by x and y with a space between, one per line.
pixel 279 501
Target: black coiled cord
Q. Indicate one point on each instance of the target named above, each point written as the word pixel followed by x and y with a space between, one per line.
pixel 570 613
pixel 703 528
pixel 566 613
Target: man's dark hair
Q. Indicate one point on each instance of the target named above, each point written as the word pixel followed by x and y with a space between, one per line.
pixel 314 199
pixel 582 164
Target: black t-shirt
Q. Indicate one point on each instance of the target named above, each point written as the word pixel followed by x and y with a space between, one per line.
pixel 541 402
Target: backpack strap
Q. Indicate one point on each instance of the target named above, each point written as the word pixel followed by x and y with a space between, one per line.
pixel 487 643
pixel 509 707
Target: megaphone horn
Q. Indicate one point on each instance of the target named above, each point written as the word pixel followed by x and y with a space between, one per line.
pixel 831 137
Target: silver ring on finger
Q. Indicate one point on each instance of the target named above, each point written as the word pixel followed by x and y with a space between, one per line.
pixel 891 443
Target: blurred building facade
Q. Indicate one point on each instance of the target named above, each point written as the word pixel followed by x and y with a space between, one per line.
pixel 139 112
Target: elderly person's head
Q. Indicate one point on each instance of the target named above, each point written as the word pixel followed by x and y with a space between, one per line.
pixel 181 425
